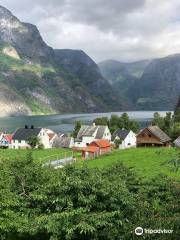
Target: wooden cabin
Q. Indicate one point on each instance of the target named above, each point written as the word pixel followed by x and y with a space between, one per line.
pixel 96 148
pixel 153 136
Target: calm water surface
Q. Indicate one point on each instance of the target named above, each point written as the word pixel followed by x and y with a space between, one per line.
pixel 65 123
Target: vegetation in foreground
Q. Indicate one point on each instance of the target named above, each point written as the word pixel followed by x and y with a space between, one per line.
pixel 83 203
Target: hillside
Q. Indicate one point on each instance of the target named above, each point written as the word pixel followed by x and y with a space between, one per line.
pixel 146 85
pixel 159 86
pixel 36 79
pixel 122 75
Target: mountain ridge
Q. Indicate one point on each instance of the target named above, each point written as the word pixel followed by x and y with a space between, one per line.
pixel 44 79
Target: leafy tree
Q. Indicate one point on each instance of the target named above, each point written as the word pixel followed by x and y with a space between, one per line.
pixel 33 142
pixel 41 203
pixel 117 142
pixel 115 122
pixel 76 128
pixel 102 121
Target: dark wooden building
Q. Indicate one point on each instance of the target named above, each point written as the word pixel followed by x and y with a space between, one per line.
pixel 153 136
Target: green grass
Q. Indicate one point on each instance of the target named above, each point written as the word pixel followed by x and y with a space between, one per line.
pixel 39 155
pixel 18 65
pixel 147 162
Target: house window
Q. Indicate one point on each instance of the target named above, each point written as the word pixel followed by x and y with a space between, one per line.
pixel 150 135
pixel 129 144
pixel 87 144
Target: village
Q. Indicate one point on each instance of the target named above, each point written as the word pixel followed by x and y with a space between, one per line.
pixel 91 141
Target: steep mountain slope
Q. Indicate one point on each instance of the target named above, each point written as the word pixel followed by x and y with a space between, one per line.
pixel 86 70
pixel 42 80
pixel 115 71
pixel 159 86
pixel 122 76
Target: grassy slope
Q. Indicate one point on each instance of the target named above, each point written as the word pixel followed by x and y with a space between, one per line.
pixel 147 162
pixel 40 155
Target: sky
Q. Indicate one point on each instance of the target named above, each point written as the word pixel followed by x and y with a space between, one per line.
pixel 124 30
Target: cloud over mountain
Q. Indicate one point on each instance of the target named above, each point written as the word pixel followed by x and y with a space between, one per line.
pixel 124 30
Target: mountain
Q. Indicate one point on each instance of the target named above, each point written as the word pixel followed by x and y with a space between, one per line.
pixel 37 79
pixel 123 75
pixel 145 85
pixel 159 86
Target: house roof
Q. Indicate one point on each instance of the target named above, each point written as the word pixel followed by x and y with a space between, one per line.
pixel 25 133
pixel 102 143
pixel 177 142
pixel 156 131
pixel 92 149
pixel 8 137
pixel 121 133
pixel 62 141
pixel 51 136
pixel 86 130
pixel 100 132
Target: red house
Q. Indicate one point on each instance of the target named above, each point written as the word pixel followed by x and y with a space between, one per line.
pixel 96 148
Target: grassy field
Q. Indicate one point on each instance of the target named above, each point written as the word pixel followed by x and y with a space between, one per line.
pixel 40 155
pixel 147 162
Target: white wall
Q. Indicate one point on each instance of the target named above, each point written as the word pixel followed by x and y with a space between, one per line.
pixel 43 137
pixel 85 141
pixel 107 134
pixel 129 141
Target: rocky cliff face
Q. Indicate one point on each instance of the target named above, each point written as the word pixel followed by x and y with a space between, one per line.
pixel 24 37
pixel 44 80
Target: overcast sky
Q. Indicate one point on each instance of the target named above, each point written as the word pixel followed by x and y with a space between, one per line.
pixel 124 30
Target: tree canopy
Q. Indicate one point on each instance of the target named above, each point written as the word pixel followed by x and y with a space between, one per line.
pixel 41 203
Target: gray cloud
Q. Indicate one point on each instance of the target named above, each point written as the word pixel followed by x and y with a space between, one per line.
pixel 121 29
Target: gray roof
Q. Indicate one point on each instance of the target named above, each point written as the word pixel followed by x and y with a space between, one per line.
pixel 86 130
pixel 25 133
pixel 100 132
pixel 63 142
pixel 156 131
pixel 121 133
pixel 177 142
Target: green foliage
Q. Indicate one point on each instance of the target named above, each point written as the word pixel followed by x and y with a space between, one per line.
pixel 101 121
pixel 76 128
pixel 33 141
pixel 81 203
pixel 117 142
pixel 168 124
pixel 115 122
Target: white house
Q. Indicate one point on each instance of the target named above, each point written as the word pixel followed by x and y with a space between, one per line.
pixel 5 140
pixel 127 138
pixel 88 134
pixel 21 136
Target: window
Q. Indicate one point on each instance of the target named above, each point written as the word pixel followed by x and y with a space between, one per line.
pixel 129 144
pixel 149 135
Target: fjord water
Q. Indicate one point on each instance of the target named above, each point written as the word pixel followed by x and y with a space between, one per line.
pixel 65 123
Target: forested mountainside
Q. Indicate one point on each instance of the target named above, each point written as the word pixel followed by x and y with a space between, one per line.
pixel 146 85
pixel 36 79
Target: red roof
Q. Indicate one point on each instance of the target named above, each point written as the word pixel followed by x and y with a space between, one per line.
pixel 51 135
pixel 8 137
pixel 102 143
pixel 90 149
